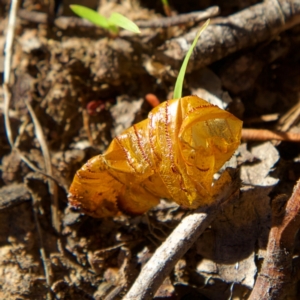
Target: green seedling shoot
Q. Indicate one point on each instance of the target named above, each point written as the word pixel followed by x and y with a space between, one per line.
pixel 111 24
pixel 180 77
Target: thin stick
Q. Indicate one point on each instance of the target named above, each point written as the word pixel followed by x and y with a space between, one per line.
pixel 10 39
pixel 44 258
pixel 7 67
pixel 48 166
pixel 86 125
pixel 35 169
pixel 262 118
pixel 28 162
pixel 60 22
pixel 70 22
pixel 267 135
pixel 194 17
pixel 290 118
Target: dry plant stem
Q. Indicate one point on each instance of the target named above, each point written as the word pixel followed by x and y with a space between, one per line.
pixel 52 185
pixel 266 135
pixel 262 118
pixel 290 118
pixel 9 40
pixel 28 162
pixel 227 35
pixel 86 125
pixel 7 67
pixel 196 16
pixel 44 258
pixel 45 261
pixel 166 256
pixel 276 279
pixel 33 167
pixel 60 22
pixel 69 22
pixel 7 97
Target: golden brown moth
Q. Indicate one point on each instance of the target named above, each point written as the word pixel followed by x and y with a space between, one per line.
pixel 173 154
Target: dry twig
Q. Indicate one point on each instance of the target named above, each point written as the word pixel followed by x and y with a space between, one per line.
pixel 60 22
pixel 45 260
pixel 195 16
pixel 290 118
pixel 71 22
pixel 275 280
pixel 47 159
pixel 224 36
pixel 7 67
pixel 262 118
pixel 267 135
pixel 86 125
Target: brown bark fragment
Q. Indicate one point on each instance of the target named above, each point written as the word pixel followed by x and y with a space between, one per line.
pixel 224 36
pixel 276 279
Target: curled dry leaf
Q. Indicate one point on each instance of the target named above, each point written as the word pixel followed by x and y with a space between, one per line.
pixel 173 154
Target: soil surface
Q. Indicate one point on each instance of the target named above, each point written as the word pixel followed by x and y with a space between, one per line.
pixel 73 89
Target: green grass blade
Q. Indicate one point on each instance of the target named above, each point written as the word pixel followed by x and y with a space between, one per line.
pixel 90 15
pixel 180 77
pixel 123 22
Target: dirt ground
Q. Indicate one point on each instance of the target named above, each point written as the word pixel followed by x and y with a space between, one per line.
pixel 74 88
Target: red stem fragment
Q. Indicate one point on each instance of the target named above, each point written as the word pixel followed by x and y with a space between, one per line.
pixel 152 100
